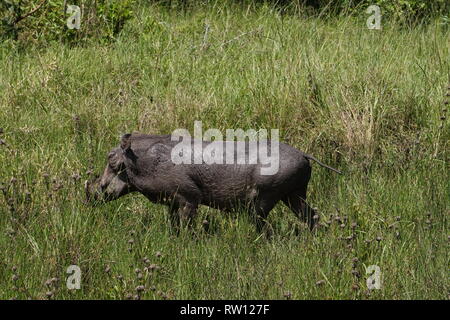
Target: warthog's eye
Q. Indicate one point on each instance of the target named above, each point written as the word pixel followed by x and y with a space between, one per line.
pixel 103 186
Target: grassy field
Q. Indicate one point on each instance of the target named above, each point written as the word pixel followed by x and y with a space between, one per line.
pixel 368 102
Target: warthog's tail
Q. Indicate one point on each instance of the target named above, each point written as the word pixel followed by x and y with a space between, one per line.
pixel 321 164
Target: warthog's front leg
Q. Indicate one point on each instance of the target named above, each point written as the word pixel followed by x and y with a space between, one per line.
pixel 182 215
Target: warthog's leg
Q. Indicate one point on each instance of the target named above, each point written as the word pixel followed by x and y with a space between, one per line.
pixel 187 213
pixel 182 215
pixel 174 219
pixel 297 203
pixel 261 210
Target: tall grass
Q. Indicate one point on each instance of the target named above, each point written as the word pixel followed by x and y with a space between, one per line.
pixel 368 102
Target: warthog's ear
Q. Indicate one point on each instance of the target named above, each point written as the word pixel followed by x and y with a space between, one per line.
pixel 125 145
pixel 125 142
pixel 116 160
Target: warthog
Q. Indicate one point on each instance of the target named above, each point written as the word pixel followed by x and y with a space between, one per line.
pixel 144 163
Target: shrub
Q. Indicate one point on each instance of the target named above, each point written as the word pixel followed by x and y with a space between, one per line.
pixel 403 10
pixel 34 20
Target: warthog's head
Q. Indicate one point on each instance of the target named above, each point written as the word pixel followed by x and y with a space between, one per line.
pixel 113 183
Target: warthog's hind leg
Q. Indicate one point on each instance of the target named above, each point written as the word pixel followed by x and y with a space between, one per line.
pixel 297 203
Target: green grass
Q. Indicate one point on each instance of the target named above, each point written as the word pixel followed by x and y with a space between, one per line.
pixel 370 103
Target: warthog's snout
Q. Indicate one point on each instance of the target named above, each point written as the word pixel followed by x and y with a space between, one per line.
pixel 93 191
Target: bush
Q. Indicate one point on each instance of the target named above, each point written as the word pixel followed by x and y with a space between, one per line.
pixel 403 10
pixel 400 10
pixel 32 20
